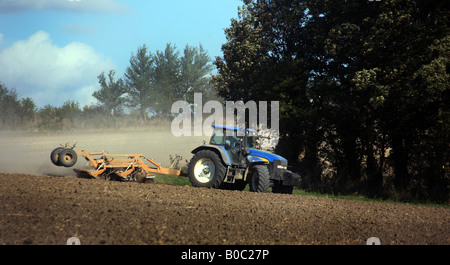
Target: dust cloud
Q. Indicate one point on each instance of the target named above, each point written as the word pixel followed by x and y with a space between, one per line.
pixel 29 153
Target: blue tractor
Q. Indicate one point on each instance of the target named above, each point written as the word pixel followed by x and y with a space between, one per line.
pixel 230 161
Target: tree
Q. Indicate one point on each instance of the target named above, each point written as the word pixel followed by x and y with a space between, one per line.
pixel 111 93
pixel 179 77
pixel 167 80
pixel 139 77
pixel 195 74
pixel 70 109
pixel 50 117
pixel 363 89
pixel 28 109
pixel 238 78
pixel 10 107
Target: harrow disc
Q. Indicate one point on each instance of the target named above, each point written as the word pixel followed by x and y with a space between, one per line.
pixel 83 174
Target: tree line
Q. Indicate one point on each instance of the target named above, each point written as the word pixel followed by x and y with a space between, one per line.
pixel 153 82
pixel 363 88
pixel 150 85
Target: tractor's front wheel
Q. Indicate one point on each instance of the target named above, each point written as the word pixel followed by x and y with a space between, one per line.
pixel 259 179
pixel 206 170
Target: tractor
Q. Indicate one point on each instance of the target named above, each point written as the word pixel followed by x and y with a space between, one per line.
pixel 231 161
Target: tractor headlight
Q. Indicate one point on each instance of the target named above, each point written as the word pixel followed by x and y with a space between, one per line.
pixel 281 167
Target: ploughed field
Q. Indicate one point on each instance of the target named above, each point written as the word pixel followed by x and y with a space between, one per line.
pixel 44 204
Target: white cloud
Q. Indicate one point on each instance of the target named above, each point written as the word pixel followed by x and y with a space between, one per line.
pixel 108 6
pixel 50 74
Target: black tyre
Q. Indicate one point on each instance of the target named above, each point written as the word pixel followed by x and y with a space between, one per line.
pixel 55 155
pixel 206 170
pixel 67 157
pixel 259 179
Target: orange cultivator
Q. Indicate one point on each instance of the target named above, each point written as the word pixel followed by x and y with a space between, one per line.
pixel 129 167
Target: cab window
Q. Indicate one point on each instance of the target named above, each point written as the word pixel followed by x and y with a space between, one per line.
pixel 217 138
pixel 251 142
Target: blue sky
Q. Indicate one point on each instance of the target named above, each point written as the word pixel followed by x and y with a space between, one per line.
pixel 53 50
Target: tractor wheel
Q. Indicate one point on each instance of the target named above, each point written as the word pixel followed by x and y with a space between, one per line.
pixel 259 179
pixel 54 156
pixel 206 170
pixel 67 157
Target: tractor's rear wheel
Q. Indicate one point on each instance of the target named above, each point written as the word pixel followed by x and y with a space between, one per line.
pixel 259 179
pixel 206 170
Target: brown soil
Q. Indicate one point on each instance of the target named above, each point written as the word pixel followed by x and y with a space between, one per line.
pixel 45 204
pixel 49 210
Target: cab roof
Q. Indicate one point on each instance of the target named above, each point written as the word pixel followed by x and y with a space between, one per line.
pixel 235 128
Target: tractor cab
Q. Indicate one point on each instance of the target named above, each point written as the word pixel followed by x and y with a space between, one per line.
pixel 235 140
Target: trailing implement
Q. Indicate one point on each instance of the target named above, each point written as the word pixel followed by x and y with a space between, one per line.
pixel 128 167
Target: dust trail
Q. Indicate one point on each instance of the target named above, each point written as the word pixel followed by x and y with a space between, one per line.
pixel 21 153
pixel 29 153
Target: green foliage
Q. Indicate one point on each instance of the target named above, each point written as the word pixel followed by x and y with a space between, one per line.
pixel 28 108
pixel 70 110
pixel 14 112
pixel 167 69
pixel 111 93
pixel 156 81
pixel 245 51
pixel 178 77
pixel 174 180
pixel 139 78
pixel 195 73
pixel 9 108
pixel 362 85
pixel 56 118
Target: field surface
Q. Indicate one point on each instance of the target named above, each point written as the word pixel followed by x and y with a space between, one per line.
pixel 44 204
